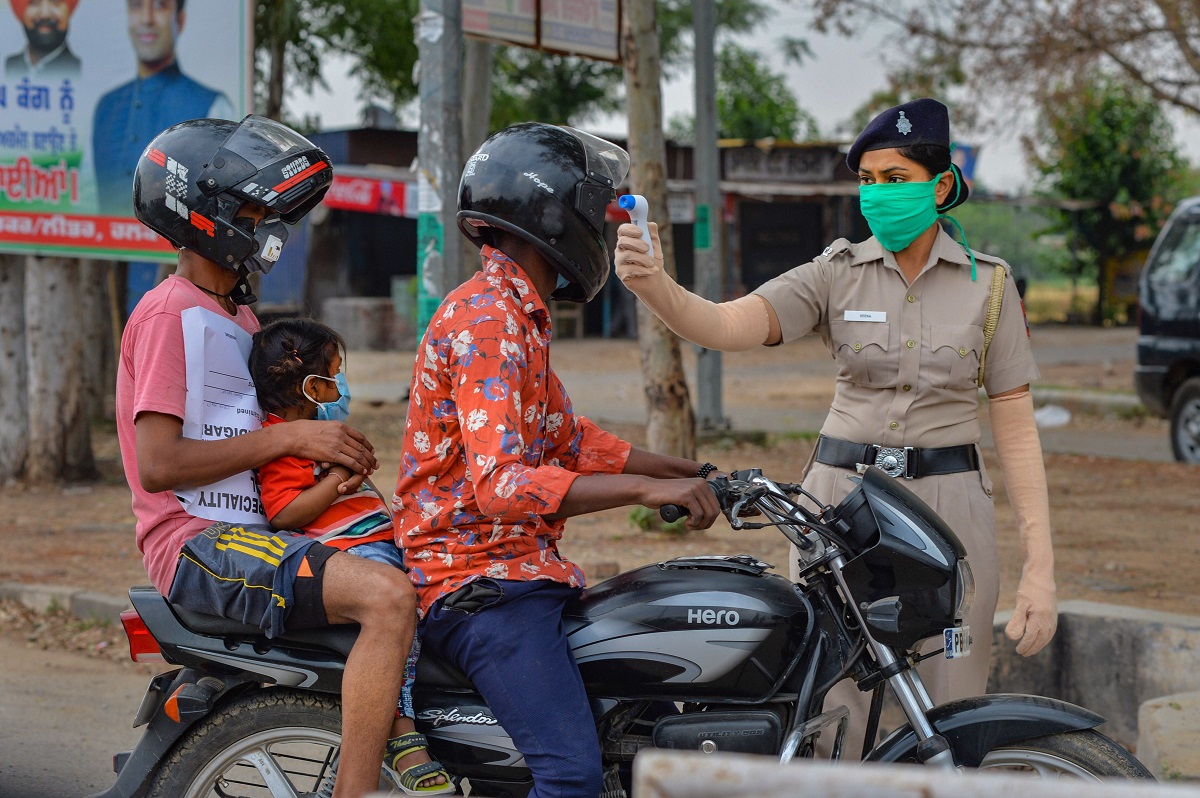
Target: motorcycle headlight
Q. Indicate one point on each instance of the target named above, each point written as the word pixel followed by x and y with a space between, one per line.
pixel 964 588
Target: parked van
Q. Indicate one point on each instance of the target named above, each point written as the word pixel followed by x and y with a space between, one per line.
pixel 1167 375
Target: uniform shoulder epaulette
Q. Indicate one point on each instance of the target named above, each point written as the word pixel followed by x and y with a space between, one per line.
pixel 993 260
pixel 838 247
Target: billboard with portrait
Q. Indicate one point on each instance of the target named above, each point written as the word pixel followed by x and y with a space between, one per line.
pixel 85 85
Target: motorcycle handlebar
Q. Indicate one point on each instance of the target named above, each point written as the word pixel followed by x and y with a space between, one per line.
pixel 747 488
pixel 672 512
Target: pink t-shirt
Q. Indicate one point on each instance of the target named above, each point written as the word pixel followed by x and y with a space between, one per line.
pixel 151 377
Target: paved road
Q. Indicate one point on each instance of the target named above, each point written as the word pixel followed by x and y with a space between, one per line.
pixel 62 717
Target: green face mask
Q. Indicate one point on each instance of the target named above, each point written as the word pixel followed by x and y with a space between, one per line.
pixel 899 212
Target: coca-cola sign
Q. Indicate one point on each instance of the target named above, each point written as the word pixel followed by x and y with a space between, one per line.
pixel 354 194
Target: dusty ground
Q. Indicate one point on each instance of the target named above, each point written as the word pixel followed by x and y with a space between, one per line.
pixel 1126 532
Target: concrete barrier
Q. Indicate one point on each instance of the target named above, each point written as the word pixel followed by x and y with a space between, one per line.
pixel 1107 658
pixel 1169 736
pixel 676 774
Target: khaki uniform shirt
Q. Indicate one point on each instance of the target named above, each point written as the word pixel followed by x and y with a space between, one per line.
pixel 908 355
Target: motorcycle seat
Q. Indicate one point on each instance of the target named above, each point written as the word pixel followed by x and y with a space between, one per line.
pixel 338 637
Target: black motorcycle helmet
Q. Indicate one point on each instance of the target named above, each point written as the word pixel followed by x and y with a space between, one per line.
pixel 194 177
pixel 549 185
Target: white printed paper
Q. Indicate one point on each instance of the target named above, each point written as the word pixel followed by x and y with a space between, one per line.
pixel 221 403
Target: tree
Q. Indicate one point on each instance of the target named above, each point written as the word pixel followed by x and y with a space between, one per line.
pixel 14 418
pixel 60 445
pixel 752 102
pixel 568 89
pixel 293 36
pixel 670 423
pixel 1016 47
pixel 1107 143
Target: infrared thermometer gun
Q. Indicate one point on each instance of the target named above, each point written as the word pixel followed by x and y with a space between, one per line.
pixel 635 205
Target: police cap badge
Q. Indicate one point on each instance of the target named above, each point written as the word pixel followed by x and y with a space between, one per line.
pixel 923 121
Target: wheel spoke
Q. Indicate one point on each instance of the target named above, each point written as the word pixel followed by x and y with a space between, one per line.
pixel 274 777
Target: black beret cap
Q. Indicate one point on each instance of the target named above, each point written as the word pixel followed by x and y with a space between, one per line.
pixel 923 121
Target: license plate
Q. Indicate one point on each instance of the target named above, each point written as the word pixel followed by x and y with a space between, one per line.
pixel 958 642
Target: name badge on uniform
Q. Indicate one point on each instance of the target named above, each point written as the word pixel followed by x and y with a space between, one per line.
pixel 865 315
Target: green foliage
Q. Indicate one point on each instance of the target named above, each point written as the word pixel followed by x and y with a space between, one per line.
pixel 1107 144
pixel 752 103
pixel 557 89
pixel 378 32
pixel 569 90
pixel 1017 234
pixel 755 103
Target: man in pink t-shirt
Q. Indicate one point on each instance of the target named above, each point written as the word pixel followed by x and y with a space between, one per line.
pixel 219 192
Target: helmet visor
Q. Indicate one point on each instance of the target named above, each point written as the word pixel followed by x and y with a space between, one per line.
pixel 606 165
pixel 270 164
pixel 263 141
pixel 605 160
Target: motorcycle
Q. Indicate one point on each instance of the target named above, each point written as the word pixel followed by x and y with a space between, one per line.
pixel 704 653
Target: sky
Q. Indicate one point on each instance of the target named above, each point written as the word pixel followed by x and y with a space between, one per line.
pixel 839 77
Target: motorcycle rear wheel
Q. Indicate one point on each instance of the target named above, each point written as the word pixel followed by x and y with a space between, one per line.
pixel 1085 754
pixel 272 743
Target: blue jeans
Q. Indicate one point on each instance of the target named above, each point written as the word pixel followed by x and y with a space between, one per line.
pixel 514 648
pixel 388 553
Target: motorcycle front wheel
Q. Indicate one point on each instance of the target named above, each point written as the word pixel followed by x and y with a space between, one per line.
pixel 272 743
pixel 1085 754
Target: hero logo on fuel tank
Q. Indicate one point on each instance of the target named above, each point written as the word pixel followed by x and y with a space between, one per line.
pixel 714 617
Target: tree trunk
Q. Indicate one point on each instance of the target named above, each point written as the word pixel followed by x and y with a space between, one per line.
pixel 99 372
pixel 670 423
pixel 277 49
pixel 60 436
pixel 14 418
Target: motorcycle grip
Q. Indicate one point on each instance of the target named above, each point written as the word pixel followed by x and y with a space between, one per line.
pixel 672 512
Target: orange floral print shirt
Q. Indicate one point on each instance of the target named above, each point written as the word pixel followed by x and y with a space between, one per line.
pixel 491 444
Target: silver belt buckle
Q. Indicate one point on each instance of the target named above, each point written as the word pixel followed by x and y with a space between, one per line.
pixel 892 461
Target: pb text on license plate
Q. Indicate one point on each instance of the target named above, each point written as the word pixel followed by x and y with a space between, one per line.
pixel 958 642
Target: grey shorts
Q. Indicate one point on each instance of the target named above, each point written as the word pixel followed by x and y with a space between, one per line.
pixel 257 576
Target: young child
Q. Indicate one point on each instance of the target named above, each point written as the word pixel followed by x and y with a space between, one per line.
pixel 296 365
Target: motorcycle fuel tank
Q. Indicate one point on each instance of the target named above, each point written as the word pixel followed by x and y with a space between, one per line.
pixel 699 628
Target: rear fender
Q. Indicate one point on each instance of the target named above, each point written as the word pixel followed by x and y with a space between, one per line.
pixel 138 766
pixel 975 726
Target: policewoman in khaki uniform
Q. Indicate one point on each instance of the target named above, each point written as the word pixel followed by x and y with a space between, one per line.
pixel 904 313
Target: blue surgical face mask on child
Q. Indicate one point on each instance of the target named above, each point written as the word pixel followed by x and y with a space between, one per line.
pixel 332 411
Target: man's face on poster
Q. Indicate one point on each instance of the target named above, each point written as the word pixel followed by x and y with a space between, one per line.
pixel 153 27
pixel 46 24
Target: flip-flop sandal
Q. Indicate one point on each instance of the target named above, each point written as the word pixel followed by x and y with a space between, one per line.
pixel 408 779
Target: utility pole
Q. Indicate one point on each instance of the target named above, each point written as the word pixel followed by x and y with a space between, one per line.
pixel 709 214
pixel 439 156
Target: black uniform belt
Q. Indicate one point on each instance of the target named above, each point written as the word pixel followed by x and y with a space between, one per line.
pixel 904 461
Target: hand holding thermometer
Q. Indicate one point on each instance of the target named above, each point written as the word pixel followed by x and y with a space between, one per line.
pixel 637 208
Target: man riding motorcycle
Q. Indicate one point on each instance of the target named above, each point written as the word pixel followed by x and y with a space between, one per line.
pixel 495 460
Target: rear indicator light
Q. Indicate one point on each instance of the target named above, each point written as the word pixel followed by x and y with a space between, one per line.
pixel 142 645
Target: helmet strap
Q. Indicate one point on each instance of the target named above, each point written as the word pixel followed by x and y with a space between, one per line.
pixel 241 293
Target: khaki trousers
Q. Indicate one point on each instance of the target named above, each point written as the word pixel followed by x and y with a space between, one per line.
pixel 964 501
